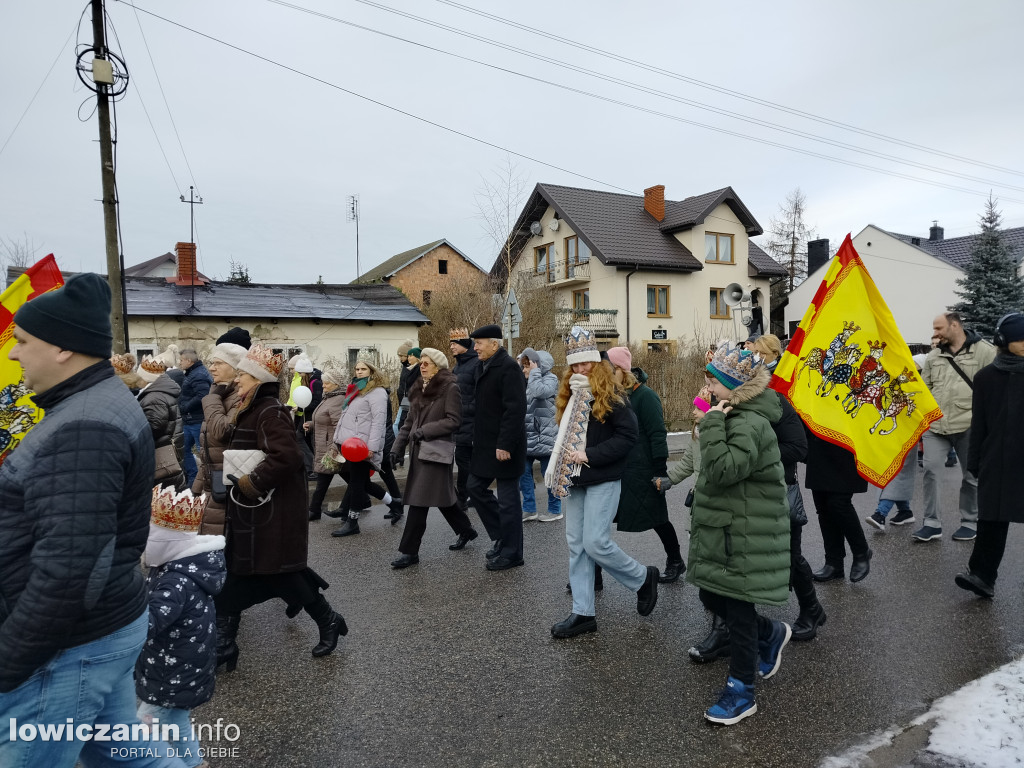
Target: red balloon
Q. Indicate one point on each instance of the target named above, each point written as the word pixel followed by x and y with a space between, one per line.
pixel 354 449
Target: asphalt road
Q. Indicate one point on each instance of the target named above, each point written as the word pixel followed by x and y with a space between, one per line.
pixel 447 664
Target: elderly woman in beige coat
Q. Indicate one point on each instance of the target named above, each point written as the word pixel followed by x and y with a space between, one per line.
pixel 219 409
pixel 320 427
pixel 435 412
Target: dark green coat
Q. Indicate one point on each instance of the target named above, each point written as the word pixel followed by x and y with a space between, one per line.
pixel 641 506
pixel 739 534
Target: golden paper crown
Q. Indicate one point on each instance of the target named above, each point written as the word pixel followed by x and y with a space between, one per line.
pixel 123 363
pixel 151 365
pixel 177 512
pixel 456 334
pixel 261 363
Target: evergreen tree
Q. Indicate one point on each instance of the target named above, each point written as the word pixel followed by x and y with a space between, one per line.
pixel 991 286
pixel 239 273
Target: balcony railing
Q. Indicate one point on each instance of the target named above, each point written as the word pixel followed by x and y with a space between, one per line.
pixel 601 321
pixel 565 272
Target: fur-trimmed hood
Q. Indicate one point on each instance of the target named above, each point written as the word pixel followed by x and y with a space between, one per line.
pixel 750 389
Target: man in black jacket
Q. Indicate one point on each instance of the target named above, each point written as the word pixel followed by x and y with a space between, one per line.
pixel 190 402
pixel 499 447
pixel 466 365
pixel 74 507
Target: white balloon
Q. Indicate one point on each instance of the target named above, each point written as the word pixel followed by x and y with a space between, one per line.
pixel 302 396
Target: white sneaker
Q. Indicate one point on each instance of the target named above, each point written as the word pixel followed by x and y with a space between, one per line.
pixel 529 516
pixel 549 518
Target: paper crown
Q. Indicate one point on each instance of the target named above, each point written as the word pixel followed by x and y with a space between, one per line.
pixel 123 363
pixel 733 365
pixel 261 363
pixel 150 369
pixel 581 347
pixel 177 512
pixel 458 334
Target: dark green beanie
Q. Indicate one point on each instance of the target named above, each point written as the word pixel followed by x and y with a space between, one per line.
pixel 74 317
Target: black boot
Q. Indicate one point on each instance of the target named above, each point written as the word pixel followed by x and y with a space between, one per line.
pixel 227 648
pixel 715 645
pixel 395 511
pixel 350 528
pixel 332 625
pixel 674 568
pixel 812 615
pixel 315 514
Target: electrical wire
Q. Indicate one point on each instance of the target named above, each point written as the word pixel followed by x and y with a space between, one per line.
pixel 382 104
pixel 721 89
pixel 641 88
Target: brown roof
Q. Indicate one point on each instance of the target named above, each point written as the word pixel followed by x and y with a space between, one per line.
pixel 387 268
pixel 764 264
pixel 621 233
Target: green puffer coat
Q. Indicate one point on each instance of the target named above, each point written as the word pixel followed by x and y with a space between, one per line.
pixel 739 535
pixel 641 505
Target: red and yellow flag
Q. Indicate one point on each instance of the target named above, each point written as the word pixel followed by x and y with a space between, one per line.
pixel 850 375
pixel 17 413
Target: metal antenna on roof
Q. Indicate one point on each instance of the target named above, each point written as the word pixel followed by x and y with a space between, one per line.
pixel 193 201
pixel 353 215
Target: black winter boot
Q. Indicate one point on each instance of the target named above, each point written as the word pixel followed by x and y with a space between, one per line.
pixel 332 625
pixel 227 648
pixel 715 645
pixel 812 615
pixel 674 568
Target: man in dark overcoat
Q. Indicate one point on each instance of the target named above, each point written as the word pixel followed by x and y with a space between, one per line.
pixel 466 366
pixel 499 447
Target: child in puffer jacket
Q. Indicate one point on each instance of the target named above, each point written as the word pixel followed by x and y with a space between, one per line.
pixel 176 668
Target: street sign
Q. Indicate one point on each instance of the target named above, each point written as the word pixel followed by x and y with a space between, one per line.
pixel 659 334
pixel 512 316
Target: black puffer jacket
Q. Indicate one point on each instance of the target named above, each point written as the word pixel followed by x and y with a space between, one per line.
pixel 465 370
pixel 608 445
pixel 74 510
pixel 789 431
pixel 194 388
pixel 159 402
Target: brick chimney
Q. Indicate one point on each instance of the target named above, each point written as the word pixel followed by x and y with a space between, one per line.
pixel 654 201
pixel 935 232
pixel 186 257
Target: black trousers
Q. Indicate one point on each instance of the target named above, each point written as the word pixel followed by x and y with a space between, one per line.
pixel 501 516
pixel 323 482
pixel 839 525
pixel 463 456
pixel 746 628
pixel 988 549
pixel 416 524
pixel 387 474
pixel 307 453
pixel 667 533
pixel 800 578
pixel 360 487
pixel 241 592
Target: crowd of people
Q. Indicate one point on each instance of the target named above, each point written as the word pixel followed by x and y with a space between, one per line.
pixel 201 472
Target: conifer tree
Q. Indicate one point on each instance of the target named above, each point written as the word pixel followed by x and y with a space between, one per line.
pixel 991 286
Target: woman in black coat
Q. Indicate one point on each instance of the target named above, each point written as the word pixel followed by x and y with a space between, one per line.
pixel 435 413
pixel 994 456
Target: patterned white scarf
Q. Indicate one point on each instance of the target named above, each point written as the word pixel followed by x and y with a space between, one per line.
pixel 572 436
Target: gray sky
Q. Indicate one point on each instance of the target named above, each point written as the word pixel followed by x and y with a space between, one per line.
pixel 275 154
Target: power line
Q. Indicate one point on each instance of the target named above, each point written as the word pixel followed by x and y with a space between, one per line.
pixel 723 90
pixel 644 89
pixel 639 108
pixel 381 103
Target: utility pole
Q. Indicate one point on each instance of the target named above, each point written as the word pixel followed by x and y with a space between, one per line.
pixel 193 201
pixel 103 79
pixel 353 215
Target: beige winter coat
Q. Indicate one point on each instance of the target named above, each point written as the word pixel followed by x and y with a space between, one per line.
pixel 948 387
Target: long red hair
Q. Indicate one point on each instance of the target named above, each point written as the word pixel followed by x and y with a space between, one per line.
pixel 607 393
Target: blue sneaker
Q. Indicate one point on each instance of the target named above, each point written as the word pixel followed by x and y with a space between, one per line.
pixel 734 703
pixel 770 652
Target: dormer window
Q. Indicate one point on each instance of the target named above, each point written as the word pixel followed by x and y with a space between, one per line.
pixel 718 248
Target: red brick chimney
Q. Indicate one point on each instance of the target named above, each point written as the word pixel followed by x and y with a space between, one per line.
pixel 186 256
pixel 654 201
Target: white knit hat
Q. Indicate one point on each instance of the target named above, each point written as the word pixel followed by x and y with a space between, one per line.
pixel 231 354
pixel 581 347
pixel 436 356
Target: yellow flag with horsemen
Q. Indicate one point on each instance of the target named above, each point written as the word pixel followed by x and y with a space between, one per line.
pixel 850 375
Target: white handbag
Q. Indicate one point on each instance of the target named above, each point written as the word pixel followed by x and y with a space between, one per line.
pixel 238 462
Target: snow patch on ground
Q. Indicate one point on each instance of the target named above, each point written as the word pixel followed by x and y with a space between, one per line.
pixel 982 725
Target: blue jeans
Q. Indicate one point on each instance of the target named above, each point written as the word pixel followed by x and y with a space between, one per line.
pixel 527 487
pixel 187 745
pixel 885 506
pixel 191 440
pixel 90 684
pixel 589 511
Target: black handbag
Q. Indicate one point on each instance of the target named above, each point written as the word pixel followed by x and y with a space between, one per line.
pixel 797 513
pixel 218 490
pixel 437 451
pixel 688 502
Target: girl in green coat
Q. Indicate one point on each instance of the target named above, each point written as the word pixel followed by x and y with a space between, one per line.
pixel 739 534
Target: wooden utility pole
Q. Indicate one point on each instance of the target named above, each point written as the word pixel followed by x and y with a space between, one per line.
pixel 114 274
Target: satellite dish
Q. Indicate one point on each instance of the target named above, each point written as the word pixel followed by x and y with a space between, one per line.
pixel 554 225
pixel 536 228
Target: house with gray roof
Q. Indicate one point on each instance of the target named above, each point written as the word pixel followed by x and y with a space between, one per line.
pixel 644 269
pixel 916 275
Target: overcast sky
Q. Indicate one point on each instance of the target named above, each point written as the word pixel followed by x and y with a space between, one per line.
pixel 275 154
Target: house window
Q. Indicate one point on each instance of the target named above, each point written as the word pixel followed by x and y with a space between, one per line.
pixel 718 248
pixel 657 301
pixel 426 298
pixel 576 253
pixel 544 261
pixel 580 305
pixel 442 266
pixel 719 309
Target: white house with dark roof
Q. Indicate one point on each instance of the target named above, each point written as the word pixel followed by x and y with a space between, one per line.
pixel 643 269
pixel 916 275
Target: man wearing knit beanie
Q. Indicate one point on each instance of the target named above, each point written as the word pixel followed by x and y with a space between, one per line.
pixel 77 491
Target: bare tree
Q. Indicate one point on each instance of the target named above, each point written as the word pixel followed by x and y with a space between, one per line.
pixel 239 272
pixel 18 253
pixel 786 239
